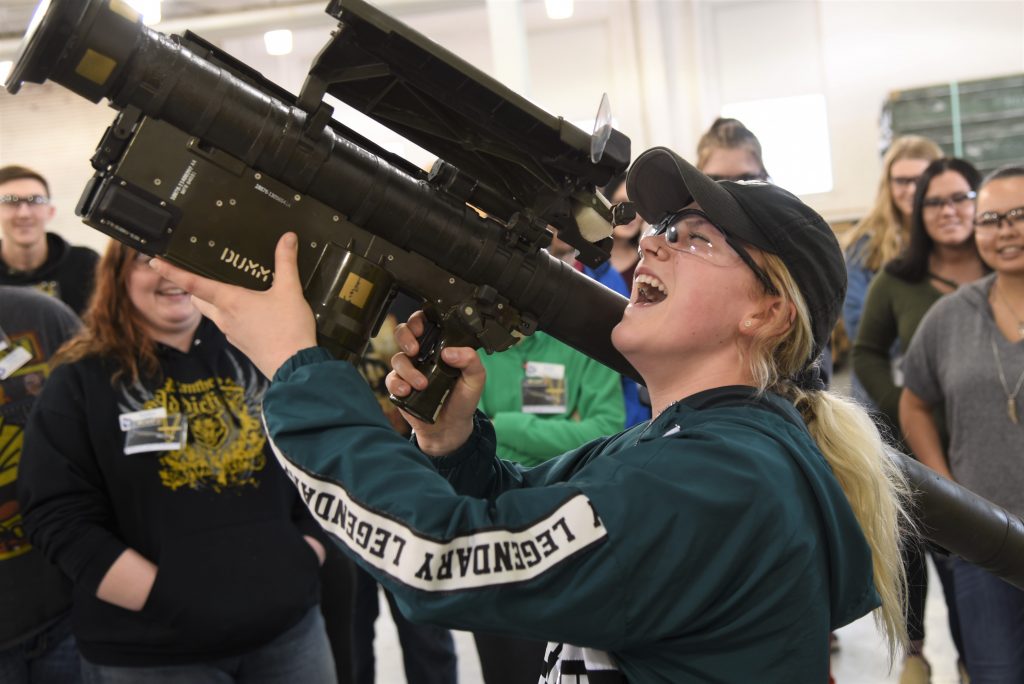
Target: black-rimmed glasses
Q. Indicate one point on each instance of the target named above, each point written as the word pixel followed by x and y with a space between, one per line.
pixel 904 181
pixel 14 201
pixel 957 199
pixel 991 220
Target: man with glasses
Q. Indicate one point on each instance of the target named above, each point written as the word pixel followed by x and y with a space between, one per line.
pixel 29 254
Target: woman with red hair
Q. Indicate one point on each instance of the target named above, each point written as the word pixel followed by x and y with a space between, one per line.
pixel 145 477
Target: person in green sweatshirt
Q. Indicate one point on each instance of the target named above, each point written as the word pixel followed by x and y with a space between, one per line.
pixel 719 542
pixel 545 398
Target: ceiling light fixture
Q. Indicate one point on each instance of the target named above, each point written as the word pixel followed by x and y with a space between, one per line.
pixel 278 42
pixel 558 9
pixel 149 9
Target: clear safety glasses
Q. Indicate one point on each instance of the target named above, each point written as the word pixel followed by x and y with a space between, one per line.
pixel 691 231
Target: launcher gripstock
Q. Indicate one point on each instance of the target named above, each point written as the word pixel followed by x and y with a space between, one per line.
pixel 207 163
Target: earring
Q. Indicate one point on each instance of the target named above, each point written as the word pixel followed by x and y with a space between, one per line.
pixel 747 324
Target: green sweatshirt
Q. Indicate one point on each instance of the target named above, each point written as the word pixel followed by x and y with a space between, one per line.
pixel 593 403
pixel 711 545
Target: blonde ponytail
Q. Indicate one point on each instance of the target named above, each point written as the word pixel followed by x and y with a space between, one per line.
pixel 877 491
pixel 851 443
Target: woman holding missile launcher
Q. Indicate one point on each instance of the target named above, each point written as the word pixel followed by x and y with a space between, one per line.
pixel 721 541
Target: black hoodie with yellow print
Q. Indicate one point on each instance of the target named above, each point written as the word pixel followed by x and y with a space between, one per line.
pixel 176 467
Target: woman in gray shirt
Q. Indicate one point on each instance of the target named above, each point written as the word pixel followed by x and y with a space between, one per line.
pixel 969 353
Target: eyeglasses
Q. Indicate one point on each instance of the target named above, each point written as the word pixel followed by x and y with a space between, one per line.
pixel 740 178
pixel 991 220
pixel 955 200
pixel 904 181
pixel 691 231
pixel 14 201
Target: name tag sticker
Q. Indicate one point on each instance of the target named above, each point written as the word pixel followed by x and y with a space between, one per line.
pixel 544 388
pixel 13 360
pixel 145 418
pixel 540 369
pixel 169 434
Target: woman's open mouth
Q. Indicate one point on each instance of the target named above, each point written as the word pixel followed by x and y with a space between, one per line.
pixel 649 290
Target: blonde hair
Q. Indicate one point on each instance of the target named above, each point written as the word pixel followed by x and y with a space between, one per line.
pixel 885 226
pixel 851 443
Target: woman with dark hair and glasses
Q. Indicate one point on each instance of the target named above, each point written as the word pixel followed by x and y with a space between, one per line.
pixel 721 541
pixel 967 360
pixel 617 274
pixel 626 229
pixel 881 235
pixel 940 257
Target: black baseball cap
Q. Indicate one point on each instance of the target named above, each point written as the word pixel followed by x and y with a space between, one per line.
pixel 759 213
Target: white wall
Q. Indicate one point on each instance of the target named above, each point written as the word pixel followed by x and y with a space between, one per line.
pixel 856 52
pixel 872 48
pixel 668 65
pixel 55 132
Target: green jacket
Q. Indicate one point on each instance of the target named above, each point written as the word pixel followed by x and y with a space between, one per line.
pixel 594 406
pixel 711 545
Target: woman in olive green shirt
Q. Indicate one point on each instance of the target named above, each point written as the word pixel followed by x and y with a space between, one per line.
pixel 940 256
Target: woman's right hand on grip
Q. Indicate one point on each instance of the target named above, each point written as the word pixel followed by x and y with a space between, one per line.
pixel 454 423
